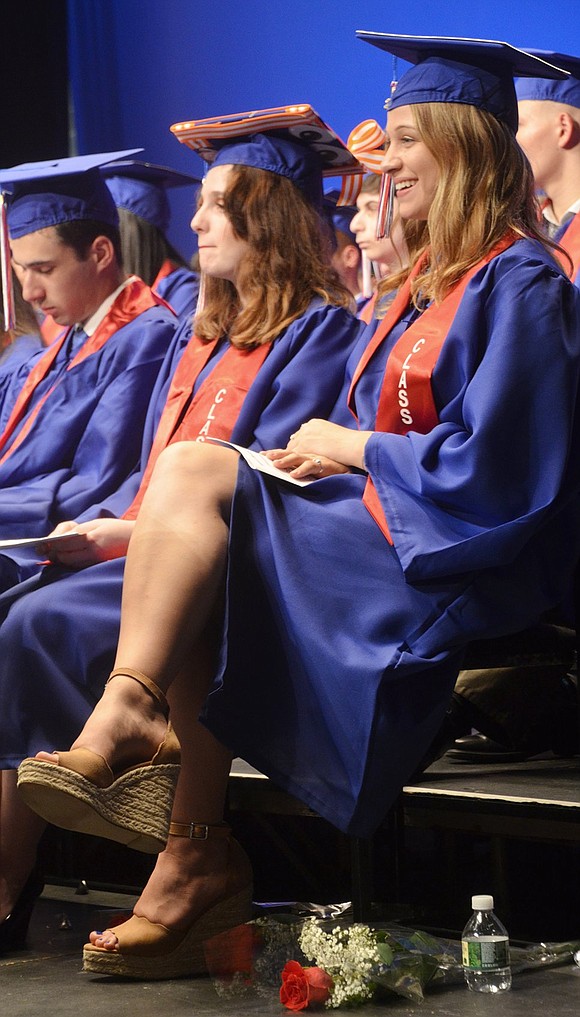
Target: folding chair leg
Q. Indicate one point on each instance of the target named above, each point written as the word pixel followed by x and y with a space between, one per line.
pixel 361 865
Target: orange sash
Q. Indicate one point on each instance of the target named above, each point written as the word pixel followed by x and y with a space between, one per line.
pixel 406 400
pixel 135 298
pixel 570 241
pixel 166 269
pixel 213 410
pixel 49 330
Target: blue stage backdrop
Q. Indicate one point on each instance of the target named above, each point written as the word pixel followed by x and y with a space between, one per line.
pixel 137 66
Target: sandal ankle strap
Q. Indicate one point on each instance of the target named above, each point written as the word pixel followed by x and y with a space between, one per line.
pixel 130 672
pixel 199 831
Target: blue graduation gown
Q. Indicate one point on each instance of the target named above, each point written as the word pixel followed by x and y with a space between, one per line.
pixel 180 289
pixel 87 437
pixel 18 351
pixel 57 642
pixel 119 500
pixel 15 363
pixel 336 690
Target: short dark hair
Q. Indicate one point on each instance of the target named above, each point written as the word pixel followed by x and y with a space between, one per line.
pixel 80 233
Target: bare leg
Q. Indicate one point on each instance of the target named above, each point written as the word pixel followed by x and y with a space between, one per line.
pixel 173 581
pixel 171 596
pixel 190 875
pixel 20 832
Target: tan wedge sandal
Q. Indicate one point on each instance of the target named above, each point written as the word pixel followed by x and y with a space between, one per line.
pixel 148 950
pixel 82 793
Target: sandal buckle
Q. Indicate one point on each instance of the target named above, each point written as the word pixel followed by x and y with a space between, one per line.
pixel 198 831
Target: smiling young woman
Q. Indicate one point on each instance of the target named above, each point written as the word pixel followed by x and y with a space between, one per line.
pixel 456 202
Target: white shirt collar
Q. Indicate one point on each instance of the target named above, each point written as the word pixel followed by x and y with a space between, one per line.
pixel 570 212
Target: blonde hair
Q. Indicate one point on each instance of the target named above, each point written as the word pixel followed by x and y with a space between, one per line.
pixel 485 191
pixel 287 265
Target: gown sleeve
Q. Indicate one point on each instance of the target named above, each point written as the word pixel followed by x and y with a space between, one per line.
pixel 301 378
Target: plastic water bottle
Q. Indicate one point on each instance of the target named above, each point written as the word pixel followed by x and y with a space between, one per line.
pixel 485 949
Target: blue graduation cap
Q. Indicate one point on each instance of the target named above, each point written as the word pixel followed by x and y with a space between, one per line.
pixel 42 194
pixel 35 195
pixel 340 216
pixel 567 91
pixel 141 188
pixel 292 141
pixel 473 72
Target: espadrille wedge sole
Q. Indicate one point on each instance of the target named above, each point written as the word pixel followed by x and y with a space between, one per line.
pixel 150 951
pixel 133 808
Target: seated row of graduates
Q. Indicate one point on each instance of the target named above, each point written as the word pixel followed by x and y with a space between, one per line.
pixel 441 442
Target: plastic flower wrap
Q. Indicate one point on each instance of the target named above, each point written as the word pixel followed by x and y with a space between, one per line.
pixel 312 963
pixel 315 964
pixel 365 963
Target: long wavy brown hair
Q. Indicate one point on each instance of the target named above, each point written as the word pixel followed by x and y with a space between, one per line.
pixel 288 262
pixel 485 191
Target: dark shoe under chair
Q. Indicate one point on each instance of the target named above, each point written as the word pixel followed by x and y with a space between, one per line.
pixel 14 928
pixel 558 737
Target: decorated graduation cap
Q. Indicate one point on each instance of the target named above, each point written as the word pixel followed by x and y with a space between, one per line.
pixel 36 195
pixel 292 141
pixel 566 91
pixel 141 188
pixel 473 72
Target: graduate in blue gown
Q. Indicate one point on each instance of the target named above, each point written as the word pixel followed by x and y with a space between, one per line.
pixel 548 132
pixel 139 190
pixel 346 258
pixel 527 709
pixel 279 365
pixel 73 432
pixel 450 512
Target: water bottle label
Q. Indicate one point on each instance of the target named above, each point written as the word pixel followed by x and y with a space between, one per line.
pixel 485 955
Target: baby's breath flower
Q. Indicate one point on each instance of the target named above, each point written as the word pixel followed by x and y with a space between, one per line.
pixel 347 954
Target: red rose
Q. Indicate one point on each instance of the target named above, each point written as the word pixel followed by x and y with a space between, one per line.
pixel 302 987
